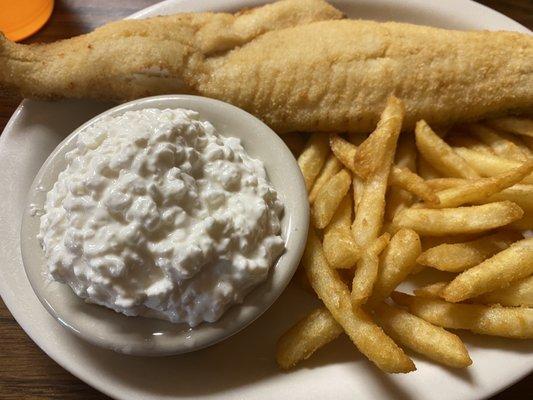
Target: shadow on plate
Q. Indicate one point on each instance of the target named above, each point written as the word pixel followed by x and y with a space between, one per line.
pixel 495 343
pixel 241 360
pixel 248 358
pixel 244 359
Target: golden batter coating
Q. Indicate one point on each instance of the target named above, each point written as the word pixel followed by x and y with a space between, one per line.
pixel 296 64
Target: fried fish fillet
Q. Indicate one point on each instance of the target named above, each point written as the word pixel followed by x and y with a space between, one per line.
pixel 296 64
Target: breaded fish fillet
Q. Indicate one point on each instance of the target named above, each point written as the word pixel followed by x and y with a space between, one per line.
pixel 295 64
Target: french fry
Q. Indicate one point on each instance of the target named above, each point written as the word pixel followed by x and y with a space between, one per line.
pixel 458 257
pixel 433 241
pixel 498 143
pixel 380 145
pixel 305 337
pixel 519 194
pixel 431 291
pixel 450 221
pixel 331 167
pixel 343 150
pixel 468 142
pixel 511 322
pixel 440 155
pixel 329 197
pixel 396 263
pixel 370 211
pixel 411 182
pixel 445 183
pixel 358 189
pixel 313 158
pixel 517 294
pixel 426 170
pixel 497 272
pixel 367 270
pixel 406 155
pixel 480 189
pixel 358 325
pixel 422 337
pixel 371 208
pixel 339 246
pixel 520 126
pixel 295 142
pixel 487 165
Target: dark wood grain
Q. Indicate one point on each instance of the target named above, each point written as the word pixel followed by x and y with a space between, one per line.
pixel 25 371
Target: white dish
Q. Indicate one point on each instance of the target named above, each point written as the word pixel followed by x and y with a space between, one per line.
pixel 243 366
pixel 145 336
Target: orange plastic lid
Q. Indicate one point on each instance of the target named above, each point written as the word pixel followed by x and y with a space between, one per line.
pixel 22 18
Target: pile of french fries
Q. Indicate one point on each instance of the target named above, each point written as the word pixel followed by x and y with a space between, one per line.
pixel 386 206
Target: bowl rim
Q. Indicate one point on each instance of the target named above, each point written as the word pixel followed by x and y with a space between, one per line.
pixel 295 223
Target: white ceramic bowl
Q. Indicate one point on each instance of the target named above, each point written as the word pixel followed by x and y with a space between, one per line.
pixel 145 336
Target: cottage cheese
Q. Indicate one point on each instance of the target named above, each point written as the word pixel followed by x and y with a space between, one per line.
pixel 157 214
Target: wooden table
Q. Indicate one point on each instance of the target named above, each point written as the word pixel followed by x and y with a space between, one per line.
pixel 25 371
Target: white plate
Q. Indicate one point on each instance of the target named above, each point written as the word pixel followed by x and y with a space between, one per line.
pixel 243 366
